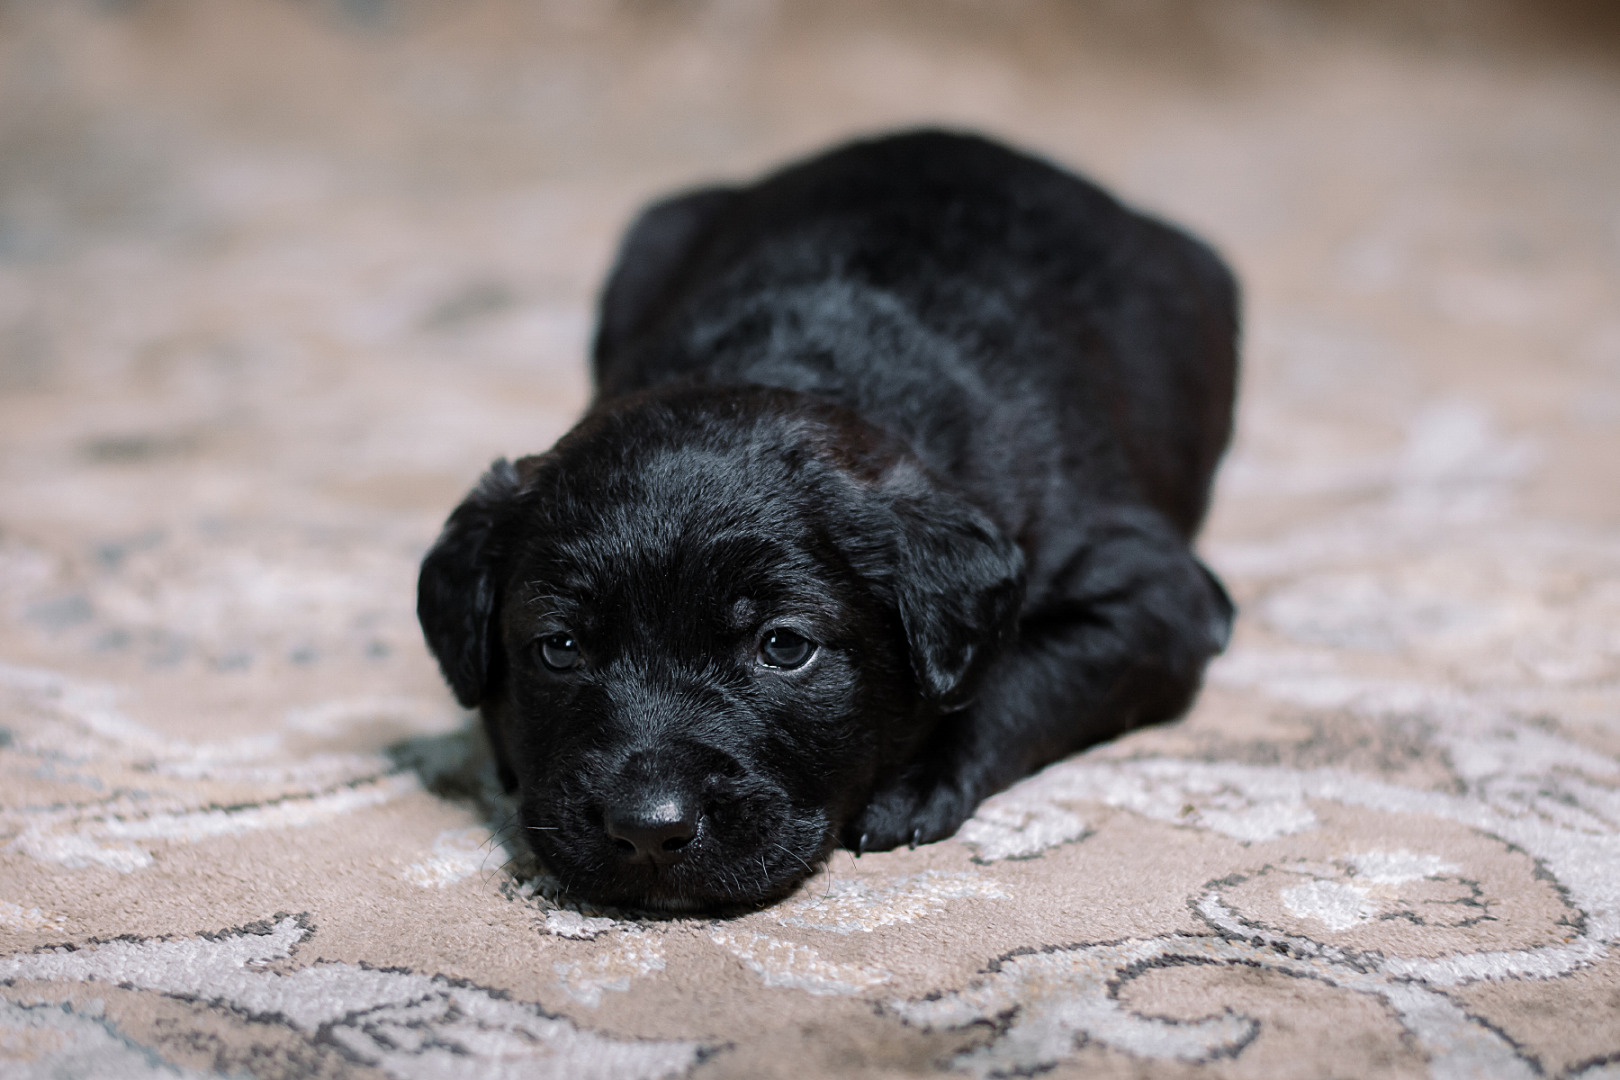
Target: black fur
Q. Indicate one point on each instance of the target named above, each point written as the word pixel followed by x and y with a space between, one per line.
pixel 942 409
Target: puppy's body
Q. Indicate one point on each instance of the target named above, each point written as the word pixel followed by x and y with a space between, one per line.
pixel 943 412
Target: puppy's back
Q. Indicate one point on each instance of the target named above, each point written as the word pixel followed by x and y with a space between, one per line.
pixel 1014 322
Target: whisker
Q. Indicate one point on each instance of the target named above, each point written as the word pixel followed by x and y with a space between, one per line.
pixel 790 853
pixel 496 830
pixel 490 874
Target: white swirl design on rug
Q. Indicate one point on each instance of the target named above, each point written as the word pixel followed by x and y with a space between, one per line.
pixel 415 1027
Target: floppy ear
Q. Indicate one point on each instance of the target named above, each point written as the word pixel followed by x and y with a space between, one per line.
pixel 455 594
pixel 959 583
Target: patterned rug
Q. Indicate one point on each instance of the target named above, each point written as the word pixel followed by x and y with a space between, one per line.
pixel 277 280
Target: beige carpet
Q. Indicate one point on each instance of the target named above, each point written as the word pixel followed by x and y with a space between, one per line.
pixel 277 279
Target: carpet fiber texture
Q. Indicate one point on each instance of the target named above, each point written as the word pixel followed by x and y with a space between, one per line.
pixel 278 280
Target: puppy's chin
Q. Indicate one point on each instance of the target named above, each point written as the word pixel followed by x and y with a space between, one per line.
pixel 679 894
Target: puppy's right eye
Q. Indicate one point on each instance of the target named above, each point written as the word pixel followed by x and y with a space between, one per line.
pixel 559 652
pixel 781 648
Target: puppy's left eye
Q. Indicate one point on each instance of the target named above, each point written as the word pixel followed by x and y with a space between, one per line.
pixel 559 652
pixel 784 649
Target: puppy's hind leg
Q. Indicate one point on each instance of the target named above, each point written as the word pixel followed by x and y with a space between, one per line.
pixel 1120 640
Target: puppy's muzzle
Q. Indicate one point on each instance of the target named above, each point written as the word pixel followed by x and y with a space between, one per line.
pixel 651 808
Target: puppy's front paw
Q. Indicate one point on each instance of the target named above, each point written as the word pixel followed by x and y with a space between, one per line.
pixel 904 815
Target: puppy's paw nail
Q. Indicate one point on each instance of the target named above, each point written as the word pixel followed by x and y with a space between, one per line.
pixel 916 836
pixel 860 846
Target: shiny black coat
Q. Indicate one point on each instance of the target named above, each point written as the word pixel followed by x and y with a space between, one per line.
pixel 942 410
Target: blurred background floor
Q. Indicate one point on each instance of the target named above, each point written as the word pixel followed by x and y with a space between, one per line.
pixel 278 279
pixel 274 260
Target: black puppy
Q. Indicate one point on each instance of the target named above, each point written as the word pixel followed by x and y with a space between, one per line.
pixel 884 501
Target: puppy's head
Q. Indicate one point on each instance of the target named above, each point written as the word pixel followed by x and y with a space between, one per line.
pixel 702 626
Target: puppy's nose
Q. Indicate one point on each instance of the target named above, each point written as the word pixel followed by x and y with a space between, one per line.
pixel 658 829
